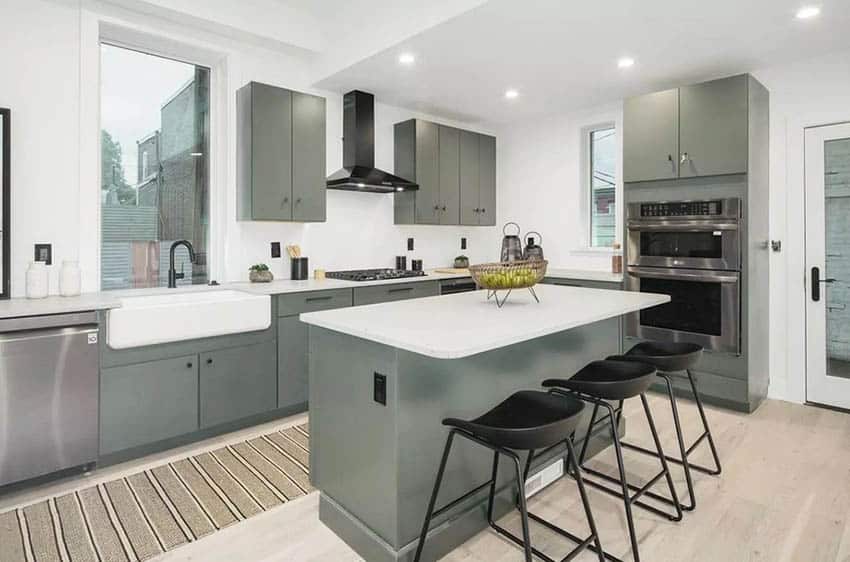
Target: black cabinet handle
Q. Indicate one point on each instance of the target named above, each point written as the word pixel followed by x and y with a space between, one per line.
pixel 317 299
pixel 189 365
pixel 209 361
pixel 483 210
pixel 400 290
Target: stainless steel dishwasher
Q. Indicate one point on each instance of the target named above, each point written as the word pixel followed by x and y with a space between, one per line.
pixel 48 394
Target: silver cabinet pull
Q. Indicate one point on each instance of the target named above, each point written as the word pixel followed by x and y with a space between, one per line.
pixel 685 158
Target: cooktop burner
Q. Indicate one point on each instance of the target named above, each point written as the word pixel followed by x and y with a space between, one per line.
pixel 373 274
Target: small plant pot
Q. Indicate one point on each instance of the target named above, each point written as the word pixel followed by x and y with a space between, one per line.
pixel 260 276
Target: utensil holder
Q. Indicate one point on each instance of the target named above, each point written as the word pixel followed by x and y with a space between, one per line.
pixel 299 269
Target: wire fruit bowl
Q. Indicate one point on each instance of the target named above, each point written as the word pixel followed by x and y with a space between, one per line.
pixel 507 276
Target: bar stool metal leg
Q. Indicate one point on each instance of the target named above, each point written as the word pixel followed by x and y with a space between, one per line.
pixel 432 502
pixel 706 432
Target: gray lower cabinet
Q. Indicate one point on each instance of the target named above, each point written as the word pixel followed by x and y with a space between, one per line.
pixel 148 402
pixel 237 383
pixel 281 145
pixel 292 337
pixel 292 360
pixel 395 292
pixel 455 170
pixel 692 131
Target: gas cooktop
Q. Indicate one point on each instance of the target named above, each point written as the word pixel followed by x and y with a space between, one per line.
pixel 373 274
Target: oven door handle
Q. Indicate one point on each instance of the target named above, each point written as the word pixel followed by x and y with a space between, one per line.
pixel 683 226
pixel 689 275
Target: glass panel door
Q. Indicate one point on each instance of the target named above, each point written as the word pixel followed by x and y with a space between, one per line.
pixel 828 265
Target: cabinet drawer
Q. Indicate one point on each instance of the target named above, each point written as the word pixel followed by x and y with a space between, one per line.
pixel 296 303
pixel 148 402
pixel 395 292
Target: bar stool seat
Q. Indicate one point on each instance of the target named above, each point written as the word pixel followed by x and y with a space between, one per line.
pixel 609 380
pixel 668 358
pixel 528 420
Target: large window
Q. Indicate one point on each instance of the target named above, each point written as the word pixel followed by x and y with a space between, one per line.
pixel 154 168
pixel 601 181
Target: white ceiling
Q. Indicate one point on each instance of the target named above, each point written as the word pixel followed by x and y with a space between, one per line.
pixel 562 55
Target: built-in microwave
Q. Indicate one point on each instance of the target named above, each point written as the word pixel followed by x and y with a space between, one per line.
pixel 685 234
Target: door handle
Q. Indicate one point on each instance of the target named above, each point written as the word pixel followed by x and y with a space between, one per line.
pixel 816 282
pixel 401 290
pixel 684 158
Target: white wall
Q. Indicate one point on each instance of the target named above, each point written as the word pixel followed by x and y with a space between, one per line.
pixel 541 171
pixel 45 49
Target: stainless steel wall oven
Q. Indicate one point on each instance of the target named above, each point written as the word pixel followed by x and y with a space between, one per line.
pixel 690 250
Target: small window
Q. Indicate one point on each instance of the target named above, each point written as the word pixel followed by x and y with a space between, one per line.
pixel 602 183
pixel 154 175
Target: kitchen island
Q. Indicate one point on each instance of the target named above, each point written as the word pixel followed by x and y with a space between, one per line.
pixel 382 378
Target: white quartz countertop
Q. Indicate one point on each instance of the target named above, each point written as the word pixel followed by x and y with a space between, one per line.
pixel 103 300
pixel 464 324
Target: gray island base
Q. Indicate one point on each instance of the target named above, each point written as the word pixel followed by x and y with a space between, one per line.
pixel 382 378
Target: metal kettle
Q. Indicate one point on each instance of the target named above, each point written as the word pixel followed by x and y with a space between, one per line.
pixel 511 244
pixel 532 251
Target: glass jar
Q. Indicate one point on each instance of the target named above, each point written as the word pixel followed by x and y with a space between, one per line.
pixel 69 279
pixel 38 280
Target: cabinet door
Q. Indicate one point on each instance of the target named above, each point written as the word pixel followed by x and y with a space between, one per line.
pixel 713 127
pixel 271 153
pixel 468 171
pixel 449 175
pixel 487 180
pixel 292 350
pixel 651 137
pixel 147 402
pixel 237 382
pixel 427 173
pixel 308 157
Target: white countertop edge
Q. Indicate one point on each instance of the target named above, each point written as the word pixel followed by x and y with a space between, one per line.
pixel 320 319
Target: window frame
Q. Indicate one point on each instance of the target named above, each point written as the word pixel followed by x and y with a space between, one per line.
pixel 100 30
pixel 586 183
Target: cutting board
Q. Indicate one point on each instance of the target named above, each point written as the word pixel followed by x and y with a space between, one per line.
pixel 453 270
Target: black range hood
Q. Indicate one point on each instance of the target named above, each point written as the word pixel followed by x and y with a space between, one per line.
pixel 358 171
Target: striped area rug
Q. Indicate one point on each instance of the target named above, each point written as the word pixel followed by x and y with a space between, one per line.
pixel 143 515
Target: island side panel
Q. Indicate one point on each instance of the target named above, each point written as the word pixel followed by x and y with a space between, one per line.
pixel 353 439
pixel 430 390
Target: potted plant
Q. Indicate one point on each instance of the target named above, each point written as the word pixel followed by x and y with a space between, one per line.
pixel 260 273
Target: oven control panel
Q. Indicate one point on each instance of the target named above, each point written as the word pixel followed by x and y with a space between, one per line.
pixel 682 209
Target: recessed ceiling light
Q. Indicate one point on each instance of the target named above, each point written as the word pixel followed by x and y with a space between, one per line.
pixel 807 12
pixel 626 62
pixel 511 94
pixel 406 58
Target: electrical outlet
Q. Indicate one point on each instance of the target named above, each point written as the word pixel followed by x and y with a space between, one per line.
pixel 275 249
pixel 44 252
pixel 380 389
pixel 410 244
pixel 463 243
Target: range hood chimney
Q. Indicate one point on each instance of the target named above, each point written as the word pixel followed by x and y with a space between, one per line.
pixel 358 171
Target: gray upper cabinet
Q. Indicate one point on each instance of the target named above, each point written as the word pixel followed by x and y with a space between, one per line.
pixel 449 211
pixel 651 137
pixel 713 130
pixel 487 180
pixel 280 151
pixel 469 177
pixel 698 130
pixel 455 170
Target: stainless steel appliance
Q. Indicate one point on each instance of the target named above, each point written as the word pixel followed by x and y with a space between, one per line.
pixel 694 234
pixel 373 274
pixel 460 285
pixel 690 250
pixel 48 394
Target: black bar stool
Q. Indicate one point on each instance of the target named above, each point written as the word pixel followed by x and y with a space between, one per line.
pixel 669 358
pixel 526 421
pixel 597 383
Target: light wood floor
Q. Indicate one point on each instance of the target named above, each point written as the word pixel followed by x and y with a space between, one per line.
pixel 784 496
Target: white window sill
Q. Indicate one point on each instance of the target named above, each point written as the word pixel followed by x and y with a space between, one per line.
pixel 595 251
